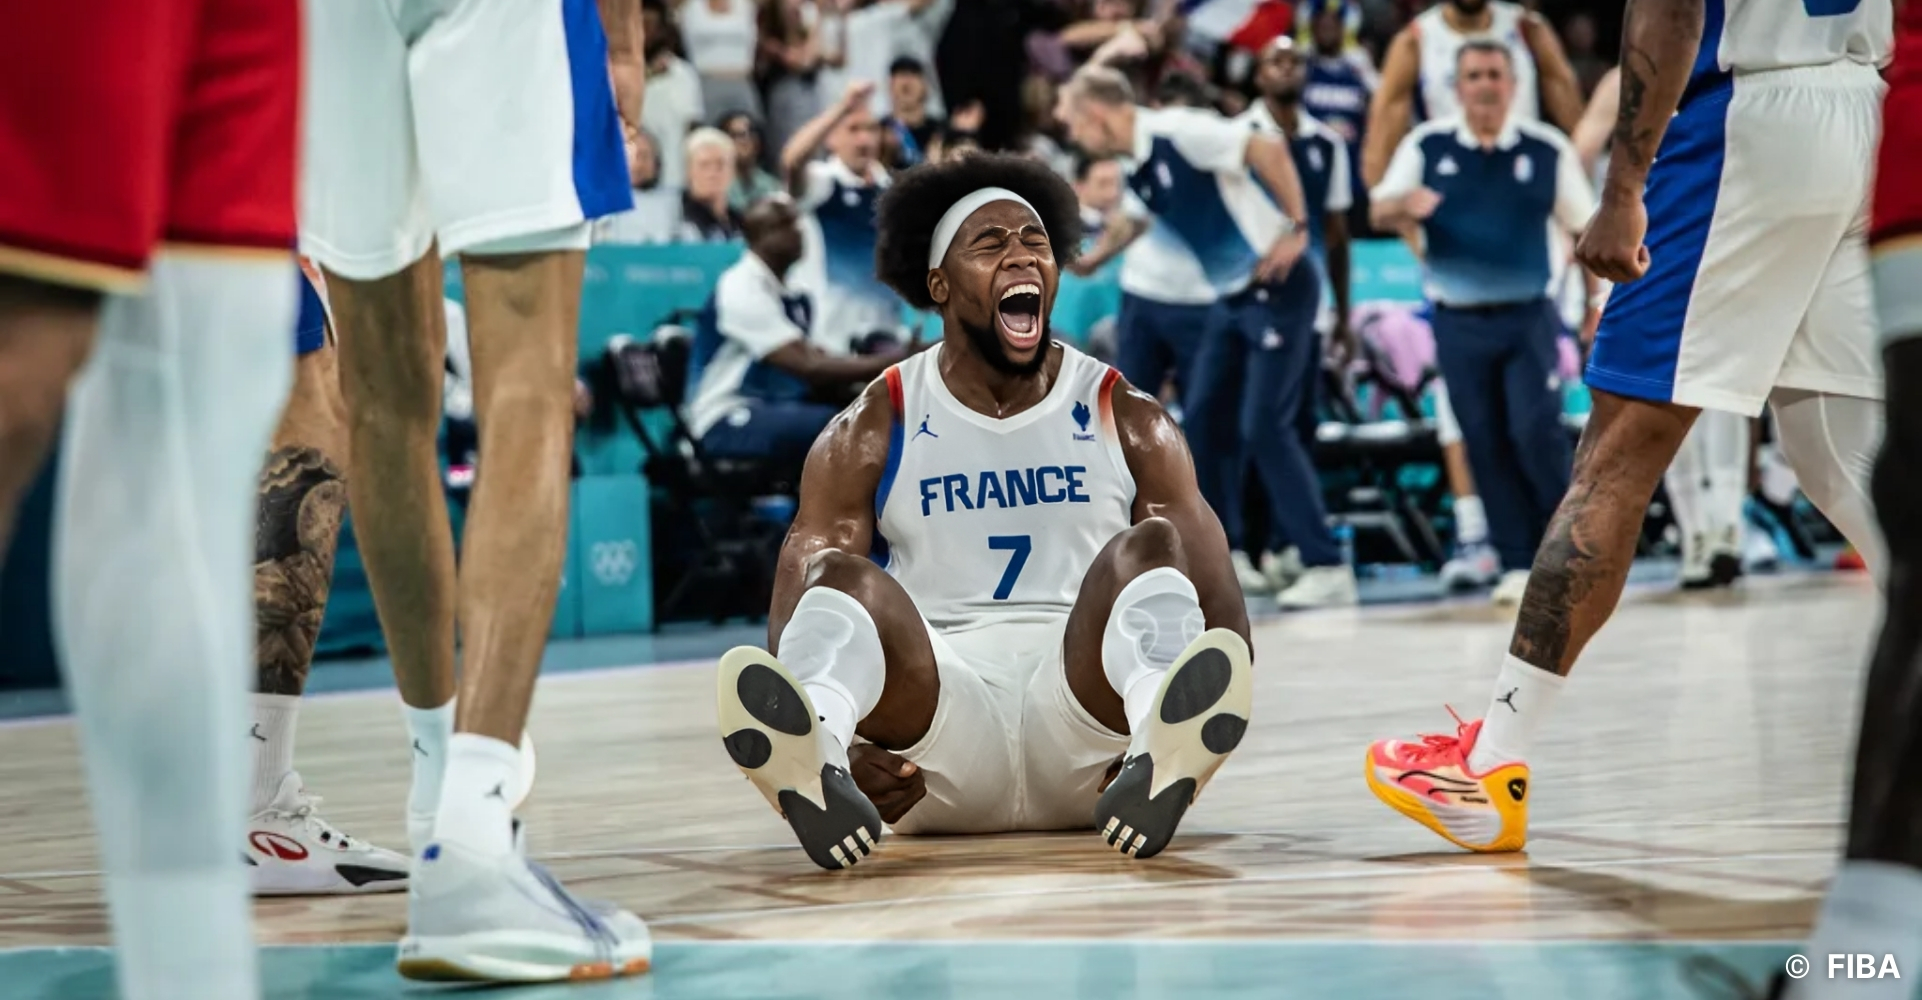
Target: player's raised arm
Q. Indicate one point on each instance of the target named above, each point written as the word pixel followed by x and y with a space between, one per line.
pixel 1591 133
pixel 1165 487
pixel 1392 107
pixel 837 497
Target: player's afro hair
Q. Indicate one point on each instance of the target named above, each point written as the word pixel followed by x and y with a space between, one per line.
pixel 918 198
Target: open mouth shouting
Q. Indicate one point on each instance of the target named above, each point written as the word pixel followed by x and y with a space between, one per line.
pixel 1019 313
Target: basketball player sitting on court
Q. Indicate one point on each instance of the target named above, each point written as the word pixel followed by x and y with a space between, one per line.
pixel 1000 569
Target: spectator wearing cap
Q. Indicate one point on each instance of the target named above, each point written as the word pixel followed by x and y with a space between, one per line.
pixel 1485 191
pixel 910 131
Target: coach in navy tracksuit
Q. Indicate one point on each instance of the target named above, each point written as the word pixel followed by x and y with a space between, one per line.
pixel 1484 192
pixel 1196 172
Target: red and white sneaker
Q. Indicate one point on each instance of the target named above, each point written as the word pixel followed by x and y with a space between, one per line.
pixel 291 851
pixel 1430 783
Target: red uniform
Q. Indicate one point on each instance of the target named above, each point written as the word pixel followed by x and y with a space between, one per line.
pixel 1898 169
pixel 125 123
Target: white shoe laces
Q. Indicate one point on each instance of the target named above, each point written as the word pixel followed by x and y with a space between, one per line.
pixel 307 815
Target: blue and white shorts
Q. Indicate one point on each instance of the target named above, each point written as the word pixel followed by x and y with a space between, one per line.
pixel 483 124
pixel 1759 273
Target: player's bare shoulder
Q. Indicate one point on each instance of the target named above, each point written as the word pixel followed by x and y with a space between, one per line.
pixel 852 451
pixel 1149 435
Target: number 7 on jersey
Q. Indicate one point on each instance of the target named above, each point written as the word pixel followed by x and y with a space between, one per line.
pixel 1020 546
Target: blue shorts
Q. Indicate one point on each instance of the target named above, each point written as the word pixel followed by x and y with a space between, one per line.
pixel 310 330
pixel 1758 273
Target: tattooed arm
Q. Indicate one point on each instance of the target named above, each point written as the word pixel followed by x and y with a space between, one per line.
pixel 1659 39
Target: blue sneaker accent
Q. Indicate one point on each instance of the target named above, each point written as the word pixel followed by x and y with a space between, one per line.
pixel 432 853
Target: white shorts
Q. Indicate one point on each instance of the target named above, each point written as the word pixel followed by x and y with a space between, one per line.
pixel 1010 748
pixel 1758 273
pixel 480 123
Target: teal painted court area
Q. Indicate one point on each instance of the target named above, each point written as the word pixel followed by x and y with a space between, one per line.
pixel 1051 970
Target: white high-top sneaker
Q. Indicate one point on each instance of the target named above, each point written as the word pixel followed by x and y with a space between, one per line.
pixel 1474 566
pixel 291 851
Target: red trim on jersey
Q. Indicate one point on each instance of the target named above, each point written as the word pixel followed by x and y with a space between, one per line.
pixel 896 394
pixel 1106 396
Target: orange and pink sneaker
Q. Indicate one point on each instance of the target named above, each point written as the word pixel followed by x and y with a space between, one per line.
pixel 1430 783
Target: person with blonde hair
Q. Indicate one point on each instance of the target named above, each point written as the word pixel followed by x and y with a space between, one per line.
pixel 706 216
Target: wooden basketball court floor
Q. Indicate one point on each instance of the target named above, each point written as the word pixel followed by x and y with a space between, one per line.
pixel 1687 814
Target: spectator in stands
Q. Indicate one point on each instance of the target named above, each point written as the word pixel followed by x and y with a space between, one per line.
pixel 1483 189
pixel 753 367
pixel 1097 185
pixel 789 66
pixel 706 216
pixel 656 215
pixel 983 57
pixel 751 182
pixel 866 37
pixel 722 38
pixel 1579 33
pixel 1232 195
pixel 673 103
pixel 1340 83
pixel 909 133
pixel 837 196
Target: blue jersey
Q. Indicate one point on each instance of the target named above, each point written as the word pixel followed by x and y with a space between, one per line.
pixel 1490 240
pixel 1337 96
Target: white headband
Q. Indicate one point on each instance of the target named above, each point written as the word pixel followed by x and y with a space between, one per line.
pixel 950 224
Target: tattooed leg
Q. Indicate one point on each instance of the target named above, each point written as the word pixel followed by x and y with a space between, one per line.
pixel 1584 559
pixel 303 497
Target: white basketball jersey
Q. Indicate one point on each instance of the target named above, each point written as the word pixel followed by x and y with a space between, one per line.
pixel 1440 43
pixel 984 520
pixel 1778 34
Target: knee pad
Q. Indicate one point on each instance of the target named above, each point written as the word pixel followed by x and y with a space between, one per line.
pixel 1154 618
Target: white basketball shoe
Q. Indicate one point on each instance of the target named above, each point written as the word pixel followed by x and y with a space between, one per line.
pixel 472 918
pixel 291 851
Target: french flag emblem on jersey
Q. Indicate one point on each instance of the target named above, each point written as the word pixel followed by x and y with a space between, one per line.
pixel 1244 24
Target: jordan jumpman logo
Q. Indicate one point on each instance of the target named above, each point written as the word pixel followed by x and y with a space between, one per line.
pixel 255 733
pixel 420 749
pixel 499 792
pixel 1509 700
pixel 924 429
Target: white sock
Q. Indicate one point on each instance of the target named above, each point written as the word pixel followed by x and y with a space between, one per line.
pixel 1524 695
pixel 271 738
pixel 1726 459
pixel 1154 618
pixel 1471 521
pixel 153 605
pixel 832 647
pixel 1873 908
pixel 475 793
pixel 428 730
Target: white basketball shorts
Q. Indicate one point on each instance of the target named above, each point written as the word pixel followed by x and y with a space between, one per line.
pixel 474 122
pixel 1010 748
pixel 1758 272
